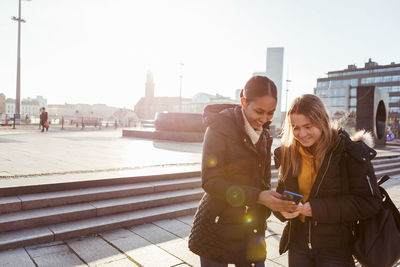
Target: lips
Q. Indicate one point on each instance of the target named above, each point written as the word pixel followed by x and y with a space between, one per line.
pixel 305 141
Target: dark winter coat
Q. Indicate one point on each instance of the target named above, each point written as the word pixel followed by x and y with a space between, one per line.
pixel 229 226
pixel 43 117
pixel 340 195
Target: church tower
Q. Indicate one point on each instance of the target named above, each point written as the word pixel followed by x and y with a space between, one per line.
pixel 149 85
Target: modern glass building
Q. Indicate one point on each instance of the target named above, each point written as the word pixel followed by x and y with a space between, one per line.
pixel 339 90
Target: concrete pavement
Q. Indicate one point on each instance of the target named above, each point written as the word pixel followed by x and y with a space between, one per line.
pixel 27 152
pixel 33 157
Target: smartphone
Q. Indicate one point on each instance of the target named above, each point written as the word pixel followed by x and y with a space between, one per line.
pixel 290 196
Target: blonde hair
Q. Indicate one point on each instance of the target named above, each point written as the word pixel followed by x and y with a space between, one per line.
pixel 313 108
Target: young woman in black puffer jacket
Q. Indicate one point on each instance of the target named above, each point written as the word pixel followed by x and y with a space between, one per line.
pixel 230 222
pixel 335 176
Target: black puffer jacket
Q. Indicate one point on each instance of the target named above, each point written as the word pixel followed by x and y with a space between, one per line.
pixel 341 194
pixel 229 226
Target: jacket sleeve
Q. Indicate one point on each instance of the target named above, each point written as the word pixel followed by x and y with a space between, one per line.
pixel 361 201
pixel 281 186
pixel 214 180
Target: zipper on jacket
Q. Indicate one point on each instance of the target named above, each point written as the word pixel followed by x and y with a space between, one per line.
pixel 370 186
pixel 309 235
pixel 323 176
pixel 322 179
pixel 216 219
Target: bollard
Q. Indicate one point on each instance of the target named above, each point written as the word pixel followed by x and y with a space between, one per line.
pixel 62 123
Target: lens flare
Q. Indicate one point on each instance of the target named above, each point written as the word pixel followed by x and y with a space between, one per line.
pixel 235 196
pixel 249 219
pixel 211 161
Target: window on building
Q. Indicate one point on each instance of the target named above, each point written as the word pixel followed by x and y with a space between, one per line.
pixel 322 84
pixel 387 79
pixel 321 92
pixel 394 109
pixel 394 99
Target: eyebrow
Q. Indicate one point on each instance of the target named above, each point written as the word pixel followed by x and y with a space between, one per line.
pixel 305 125
pixel 272 110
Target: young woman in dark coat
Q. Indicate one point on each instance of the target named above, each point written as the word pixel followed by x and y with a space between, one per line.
pixel 330 170
pixel 230 222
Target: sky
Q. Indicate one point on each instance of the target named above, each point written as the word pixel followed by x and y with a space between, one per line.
pixel 98 51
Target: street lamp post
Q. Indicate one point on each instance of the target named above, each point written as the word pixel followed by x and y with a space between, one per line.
pixel 287 92
pixel 18 93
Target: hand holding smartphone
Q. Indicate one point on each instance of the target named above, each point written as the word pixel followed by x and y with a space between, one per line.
pixel 290 196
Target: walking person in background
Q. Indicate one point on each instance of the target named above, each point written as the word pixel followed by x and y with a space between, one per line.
pixel 331 171
pixel 44 119
pixel 230 222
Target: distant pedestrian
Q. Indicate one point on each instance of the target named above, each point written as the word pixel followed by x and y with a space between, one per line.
pixel 43 119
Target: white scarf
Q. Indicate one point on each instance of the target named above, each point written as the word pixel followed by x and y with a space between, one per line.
pixel 251 132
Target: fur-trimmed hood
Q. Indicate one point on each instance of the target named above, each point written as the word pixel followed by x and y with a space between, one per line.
pixel 359 145
pixel 365 137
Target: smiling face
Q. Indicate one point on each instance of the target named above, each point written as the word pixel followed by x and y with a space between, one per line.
pixel 259 110
pixel 304 130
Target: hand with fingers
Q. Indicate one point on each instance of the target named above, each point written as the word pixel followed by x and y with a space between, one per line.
pixel 272 200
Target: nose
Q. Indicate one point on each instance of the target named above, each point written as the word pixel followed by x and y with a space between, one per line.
pixel 302 132
pixel 264 119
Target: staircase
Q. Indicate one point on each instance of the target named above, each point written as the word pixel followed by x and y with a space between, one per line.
pixel 46 213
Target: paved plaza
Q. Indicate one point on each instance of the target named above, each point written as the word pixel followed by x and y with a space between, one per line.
pixel 29 157
pixel 30 152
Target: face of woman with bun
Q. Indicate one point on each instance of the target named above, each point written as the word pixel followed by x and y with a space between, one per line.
pixel 259 99
pixel 259 111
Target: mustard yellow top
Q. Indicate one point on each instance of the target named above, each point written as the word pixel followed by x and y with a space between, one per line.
pixel 308 173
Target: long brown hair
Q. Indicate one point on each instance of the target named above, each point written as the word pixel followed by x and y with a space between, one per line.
pixel 313 108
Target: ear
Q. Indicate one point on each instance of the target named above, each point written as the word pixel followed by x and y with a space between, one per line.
pixel 243 102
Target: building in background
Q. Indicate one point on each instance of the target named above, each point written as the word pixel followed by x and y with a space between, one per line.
pixel 77 112
pixel 30 107
pixel 2 103
pixel 260 74
pixel 201 100
pixel 274 71
pixel 147 107
pixel 338 91
pixel 237 95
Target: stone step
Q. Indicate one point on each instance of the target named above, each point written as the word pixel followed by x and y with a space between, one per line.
pixel 390 172
pixel 90 180
pixel 385 160
pixel 63 231
pixel 53 215
pixel 379 164
pixel 386 166
pixel 58 198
